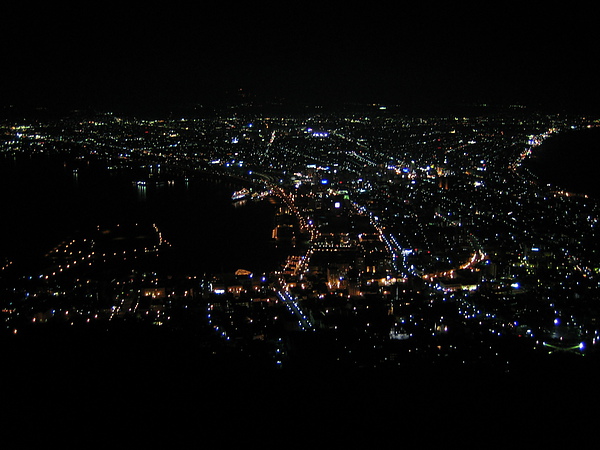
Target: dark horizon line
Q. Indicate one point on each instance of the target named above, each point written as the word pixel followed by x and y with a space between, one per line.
pixel 232 101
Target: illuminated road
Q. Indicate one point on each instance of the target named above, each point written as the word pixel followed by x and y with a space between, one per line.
pixel 301 263
pixel 292 305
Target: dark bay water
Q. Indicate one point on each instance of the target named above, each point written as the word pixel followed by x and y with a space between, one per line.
pixel 43 201
pixel 570 160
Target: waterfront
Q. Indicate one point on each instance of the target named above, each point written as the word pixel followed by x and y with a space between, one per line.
pixel 568 161
pixel 47 199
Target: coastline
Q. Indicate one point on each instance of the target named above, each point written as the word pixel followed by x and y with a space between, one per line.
pixel 567 160
pixel 203 224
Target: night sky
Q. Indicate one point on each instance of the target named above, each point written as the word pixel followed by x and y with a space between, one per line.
pixel 144 56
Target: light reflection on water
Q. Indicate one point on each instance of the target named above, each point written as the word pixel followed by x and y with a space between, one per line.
pixel 141 191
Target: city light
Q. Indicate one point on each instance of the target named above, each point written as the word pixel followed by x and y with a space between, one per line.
pixel 381 231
